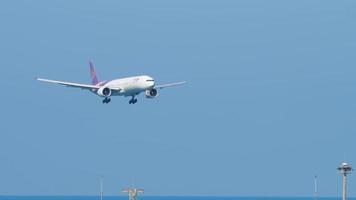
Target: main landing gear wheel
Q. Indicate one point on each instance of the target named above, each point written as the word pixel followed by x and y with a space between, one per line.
pixel 106 100
pixel 133 101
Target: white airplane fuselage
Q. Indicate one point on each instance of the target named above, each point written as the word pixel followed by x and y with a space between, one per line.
pixel 130 86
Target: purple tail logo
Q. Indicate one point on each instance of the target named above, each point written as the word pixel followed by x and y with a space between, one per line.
pixel 94 78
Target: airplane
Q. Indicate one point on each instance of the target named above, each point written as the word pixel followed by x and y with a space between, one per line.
pixel 130 86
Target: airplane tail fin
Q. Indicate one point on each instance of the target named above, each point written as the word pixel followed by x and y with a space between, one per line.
pixel 94 78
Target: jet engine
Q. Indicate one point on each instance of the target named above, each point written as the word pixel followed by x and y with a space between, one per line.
pixel 104 92
pixel 152 93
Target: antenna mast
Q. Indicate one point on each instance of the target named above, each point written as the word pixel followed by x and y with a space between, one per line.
pixel 101 188
pixel 315 187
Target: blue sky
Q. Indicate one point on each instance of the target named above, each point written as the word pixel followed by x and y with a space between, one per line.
pixel 270 99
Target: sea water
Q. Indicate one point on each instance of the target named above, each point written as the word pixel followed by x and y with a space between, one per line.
pixel 160 198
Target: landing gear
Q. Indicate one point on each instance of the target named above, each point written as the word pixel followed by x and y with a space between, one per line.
pixel 106 100
pixel 133 100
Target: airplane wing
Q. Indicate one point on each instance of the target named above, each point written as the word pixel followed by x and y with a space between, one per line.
pixel 69 84
pixel 169 85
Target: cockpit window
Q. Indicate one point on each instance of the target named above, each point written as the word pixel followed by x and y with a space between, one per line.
pixel 150 80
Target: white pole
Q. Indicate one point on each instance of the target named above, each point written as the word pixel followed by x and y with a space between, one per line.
pixel 315 187
pixel 101 188
pixel 344 186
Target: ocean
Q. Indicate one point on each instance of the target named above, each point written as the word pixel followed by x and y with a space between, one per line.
pixel 161 198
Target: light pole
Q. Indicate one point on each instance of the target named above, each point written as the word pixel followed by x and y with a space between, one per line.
pixel 101 188
pixel 315 187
